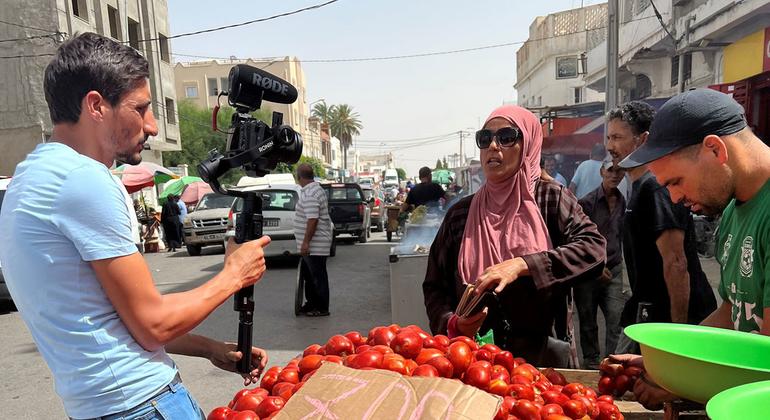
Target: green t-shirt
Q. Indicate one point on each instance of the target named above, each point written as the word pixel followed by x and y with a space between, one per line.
pixel 743 251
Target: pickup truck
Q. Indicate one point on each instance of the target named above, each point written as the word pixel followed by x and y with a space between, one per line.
pixel 207 224
pixel 348 210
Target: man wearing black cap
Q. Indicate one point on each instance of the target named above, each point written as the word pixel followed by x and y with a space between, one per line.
pixel 664 272
pixel 701 149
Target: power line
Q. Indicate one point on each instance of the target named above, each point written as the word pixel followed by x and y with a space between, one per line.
pixel 24 26
pixel 249 22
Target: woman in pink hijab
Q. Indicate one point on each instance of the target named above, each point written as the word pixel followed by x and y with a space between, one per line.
pixel 523 237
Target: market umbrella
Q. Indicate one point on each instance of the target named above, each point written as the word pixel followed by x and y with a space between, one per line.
pixel 442 176
pixel 195 191
pixel 145 174
pixel 176 186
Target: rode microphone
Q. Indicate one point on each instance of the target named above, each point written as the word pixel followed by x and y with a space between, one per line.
pixel 249 86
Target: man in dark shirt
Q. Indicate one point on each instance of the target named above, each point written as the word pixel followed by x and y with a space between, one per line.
pixel 664 270
pixel 425 193
pixel 605 206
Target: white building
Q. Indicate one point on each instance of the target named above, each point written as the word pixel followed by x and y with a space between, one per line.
pixel 24 118
pixel 549 66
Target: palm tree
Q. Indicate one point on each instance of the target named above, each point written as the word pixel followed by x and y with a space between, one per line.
pixel 344 124
pixel 323 112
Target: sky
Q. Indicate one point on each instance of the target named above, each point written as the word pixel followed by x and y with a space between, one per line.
pixel 398 101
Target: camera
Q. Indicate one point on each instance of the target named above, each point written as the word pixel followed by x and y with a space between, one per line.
pixel 252 144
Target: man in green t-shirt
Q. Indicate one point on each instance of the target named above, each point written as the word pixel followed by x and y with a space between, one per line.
pixel 702 150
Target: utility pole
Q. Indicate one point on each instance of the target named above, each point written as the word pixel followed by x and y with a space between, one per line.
pixel 461 133
pixel 611 86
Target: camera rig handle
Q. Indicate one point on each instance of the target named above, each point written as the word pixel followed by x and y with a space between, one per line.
pixel 248 227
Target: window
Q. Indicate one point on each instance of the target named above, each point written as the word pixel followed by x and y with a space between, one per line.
pixel 275 200
pixel 114 19
pixel 578 94
pixel 687 70
pixel 674 71
pixel 191 91
pixel 133 34
pixel 170 111
pixel 566 67
pixel 224 84
pixel 164 52
pixel 213 91
pixel 80 9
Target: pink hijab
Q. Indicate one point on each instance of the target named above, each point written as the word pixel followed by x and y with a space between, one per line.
pixel 504 220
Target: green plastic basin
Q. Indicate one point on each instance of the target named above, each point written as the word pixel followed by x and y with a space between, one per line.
pixel 745 402
pixel 696 362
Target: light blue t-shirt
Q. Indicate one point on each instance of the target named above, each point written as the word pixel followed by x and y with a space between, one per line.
pixel 182 210
pixel 587 177
pixel 61 211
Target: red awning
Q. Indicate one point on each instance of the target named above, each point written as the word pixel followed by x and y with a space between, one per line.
pixel 571 144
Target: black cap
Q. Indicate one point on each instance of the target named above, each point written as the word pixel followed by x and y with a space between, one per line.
pixel 685 120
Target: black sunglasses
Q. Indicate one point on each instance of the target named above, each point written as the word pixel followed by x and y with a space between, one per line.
pixel 506 137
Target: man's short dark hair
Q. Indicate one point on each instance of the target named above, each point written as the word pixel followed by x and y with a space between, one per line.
pixel 89 62
pixel 598 151
pixel 305 171
pixel 637 114
pixel 424 172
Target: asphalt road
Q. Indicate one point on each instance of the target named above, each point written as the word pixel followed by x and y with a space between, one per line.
pixel 360 290
pixel 360 299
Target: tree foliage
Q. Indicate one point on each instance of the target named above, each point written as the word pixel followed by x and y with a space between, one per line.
pixel 316 164
pixel 401 174
pixel 198 138
pixel 439 165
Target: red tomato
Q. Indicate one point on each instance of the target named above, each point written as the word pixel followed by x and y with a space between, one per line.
pixel 395 363
pixel 431 343
pixel 355 338
pixel 549 409
pixel 339 345
pixel 491 348
pixel 427 354
pixel 367 359
pixel 297 387
pixel 543 384
pixel 497 387
pixel 608 411
pixel 244 415
pixel 482 354
pixel 459 353
pixel 555 377
pixel 248 402
pixel 270 378
pixel 442 365
pixel 311 349
pixel 309 363
pixel 505 408
pixel 622 384
pixel 269 405
pixel 521 379
pixel 381 335
pixel 526 410
pixel 395 328
pixel 362 348
pixel 411 365
pixel 505 358
pixel 333 359
pixel 219 413
pixel 284 390
pixel 382 349
pixel 407 343
pixel 442 339
pixel 590 393
pixel 425 370
pixel 237 396
pixel 609 368
pixel 591 409
pixel 478 375
pixel 289 374
pixel 527 370
pixel 573 388
pixel 606 398
pixel 556 417
pixel 521 392
pixel 575 409
pixel 293 362
pixel 500 372
pixel 606 385
pixel 554 397
pixel 467 340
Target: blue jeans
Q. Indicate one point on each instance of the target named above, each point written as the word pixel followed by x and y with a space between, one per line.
pixel 591 296
pixel 172 403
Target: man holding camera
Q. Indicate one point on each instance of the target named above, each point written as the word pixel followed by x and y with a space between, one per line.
pixel 70 262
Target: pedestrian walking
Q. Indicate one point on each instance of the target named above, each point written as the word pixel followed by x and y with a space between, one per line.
pixel 182 214
pixel 314 232
pixel 605 206
pixel 664 271
pixel 71 265
pixel 587 178
pixel 169 218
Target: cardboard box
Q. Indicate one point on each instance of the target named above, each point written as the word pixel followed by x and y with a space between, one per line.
pixel 338 392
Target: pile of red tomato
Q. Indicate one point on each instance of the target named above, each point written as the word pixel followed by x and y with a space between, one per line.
pixel 617 378
pixel 527 392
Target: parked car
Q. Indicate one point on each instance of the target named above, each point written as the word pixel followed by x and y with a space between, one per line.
pixel 4 293
pixel 348 210
pixel 278 206
pixel 376 201
pixel 207 223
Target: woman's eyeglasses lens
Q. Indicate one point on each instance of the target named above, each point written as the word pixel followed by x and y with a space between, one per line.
pixel 505 137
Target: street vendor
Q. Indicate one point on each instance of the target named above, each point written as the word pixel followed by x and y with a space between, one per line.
pixel 426 193
pixel 523 237
pixel 701 149
pixel 73 270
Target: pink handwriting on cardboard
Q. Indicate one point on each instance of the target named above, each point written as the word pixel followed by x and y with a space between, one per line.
pixel 324 408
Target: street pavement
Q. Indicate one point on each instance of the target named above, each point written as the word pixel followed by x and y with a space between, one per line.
pixel 360 299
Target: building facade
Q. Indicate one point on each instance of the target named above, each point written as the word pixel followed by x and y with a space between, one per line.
pixel 40 27
pixel 550 65
pixel 201 82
